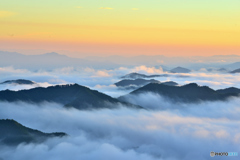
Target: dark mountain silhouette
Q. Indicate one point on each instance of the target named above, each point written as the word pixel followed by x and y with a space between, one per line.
pixel 170 83
pixel 131 84
pixel 13 133
pixel 138 75
pixel 137 83
pixel 180 70
pixel 230 90
pixel 235 71
pixel 19 81
pixel 189 93
pixel 76 96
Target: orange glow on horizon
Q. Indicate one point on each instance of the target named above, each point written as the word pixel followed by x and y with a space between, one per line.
pixel 144 28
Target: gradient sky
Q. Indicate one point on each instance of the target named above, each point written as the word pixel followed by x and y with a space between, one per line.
pixel 126 27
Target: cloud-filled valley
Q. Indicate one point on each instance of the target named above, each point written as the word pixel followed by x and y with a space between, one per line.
pixel 103 80
pixel 179 133
pixel 163 129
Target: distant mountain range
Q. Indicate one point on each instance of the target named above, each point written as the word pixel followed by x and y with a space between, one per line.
pixel 50 60
pixel 19 82
pixel 76 96
pixel 190 93
pixel 193 62
pixel 34 62
pixel 13 133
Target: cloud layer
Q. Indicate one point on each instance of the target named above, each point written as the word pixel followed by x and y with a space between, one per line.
pixel 103 79
pixel 180 132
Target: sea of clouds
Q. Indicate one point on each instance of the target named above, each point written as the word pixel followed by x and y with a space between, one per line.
pixel 164 130
pixel 181 132
pixel 103 80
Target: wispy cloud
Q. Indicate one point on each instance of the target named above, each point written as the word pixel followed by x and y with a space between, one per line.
pixel 105 8
pixel 135 9
pixel 6 14
pixel 78 7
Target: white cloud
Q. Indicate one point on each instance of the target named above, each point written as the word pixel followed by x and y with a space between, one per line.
pixel 148 70
pixel 183 133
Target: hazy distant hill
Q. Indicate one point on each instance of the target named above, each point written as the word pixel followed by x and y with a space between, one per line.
pixel 50 60
pixel 233 66
pixel 76 96
pixel 180 70
pixel 19 82
pixel 195 62
pixel 131 84
pixel 222 70
pixel 13 133
pixel 138 75
pixel 187 93
pixel 54 60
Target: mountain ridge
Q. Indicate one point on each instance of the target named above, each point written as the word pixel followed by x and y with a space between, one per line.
pixel 189 93
pixel 73 95
pixel 19 81
pixel 14 133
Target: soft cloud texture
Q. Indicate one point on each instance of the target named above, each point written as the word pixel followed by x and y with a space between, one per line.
pixel 166 130
pixel 115 134
pixel 148 70
pixel 106 77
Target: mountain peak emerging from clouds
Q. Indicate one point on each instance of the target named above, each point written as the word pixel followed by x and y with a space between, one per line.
pixel 236 71
pixel 135 75
pixel 134 83
pixel 190 93
pixel 72 95
pixel 19 82
pixel 14 133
